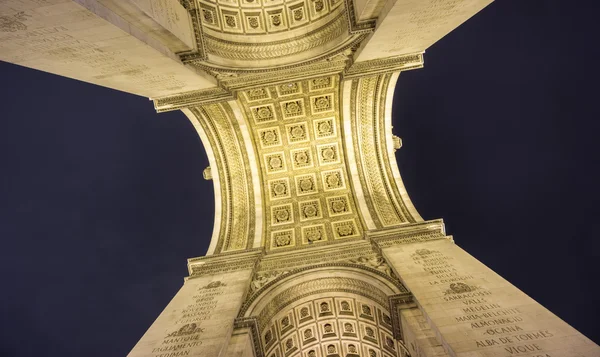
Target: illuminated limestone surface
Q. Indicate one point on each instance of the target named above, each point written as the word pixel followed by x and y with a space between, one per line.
pixel 317 250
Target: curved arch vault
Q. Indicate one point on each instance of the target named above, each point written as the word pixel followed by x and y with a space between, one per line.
pixel 317 250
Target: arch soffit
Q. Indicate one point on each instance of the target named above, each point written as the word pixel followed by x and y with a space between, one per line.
pixel 365 126
pixel 367 113
pixel 297 284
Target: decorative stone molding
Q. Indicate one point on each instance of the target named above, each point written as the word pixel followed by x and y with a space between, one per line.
pixel 397 142
pixel 375 262
pixel 317 286
pixel 314 255
pixel 241 78
pixel 207 174
pixel 199 53
pixel 190 99
pixel 278 49
pixel 252 324
pixel 264 280
pixel 223 263
pixel 356 26
pixel 412 233
pixel 385 65
pixel 232 80
pixel 238 203
pixel 397 302
pixel 367 101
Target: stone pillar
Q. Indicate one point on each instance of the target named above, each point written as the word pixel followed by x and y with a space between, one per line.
pixel 472 310
pixel 417 335
pixel 241 344
pixel 199 321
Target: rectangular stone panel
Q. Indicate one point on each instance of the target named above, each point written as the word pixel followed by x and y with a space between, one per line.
pixel 475 312
pixel 417 336
pixel 409 26
pixel 199 320
pixel 172 16
pixel 104 42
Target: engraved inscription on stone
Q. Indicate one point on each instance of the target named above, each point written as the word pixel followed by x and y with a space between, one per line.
pixel 473 308
pixel 196 322
pixel 81 45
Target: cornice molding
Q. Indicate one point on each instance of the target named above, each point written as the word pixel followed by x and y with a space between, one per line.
pixel 385 65
pixel 192 99
pixel 256 294
pixel 199 53
pixel 221 263
pixel 365 26
pixel 411 233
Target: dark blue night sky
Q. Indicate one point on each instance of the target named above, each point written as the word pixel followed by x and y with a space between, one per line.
pixel 102 199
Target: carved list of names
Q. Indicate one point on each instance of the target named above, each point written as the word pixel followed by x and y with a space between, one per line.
pixel 475 311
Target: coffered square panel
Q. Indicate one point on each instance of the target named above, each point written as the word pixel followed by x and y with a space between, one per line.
pixel 288 89
pixel 293 108
pixel 348 328
pixel 269 137
pixel 283 239
pixel 333 180
pixel 263 114
pixel 305 313
pixel 345 229
pixel 290 345
pixel 318 8
pixel 301 158
pixel 305 184
pixel 209 16
pixel 298 14
pixel 328 329
pixel 275 162
pixel 286 324
pixel 328 154
pixel 315 351
pixel 254 95
pixel 310 210
pixel 320 83
pixel 331 348
pixel 338 205
pixel 324 128
pixel 254 22
pixel 322 103
pixel 313 234
pixel 308 335
pixel 279 188
pixel 276 20
pixel 297 133
pixel 282 214
pixel 350 349
pixel 368 333
pixel 231 21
